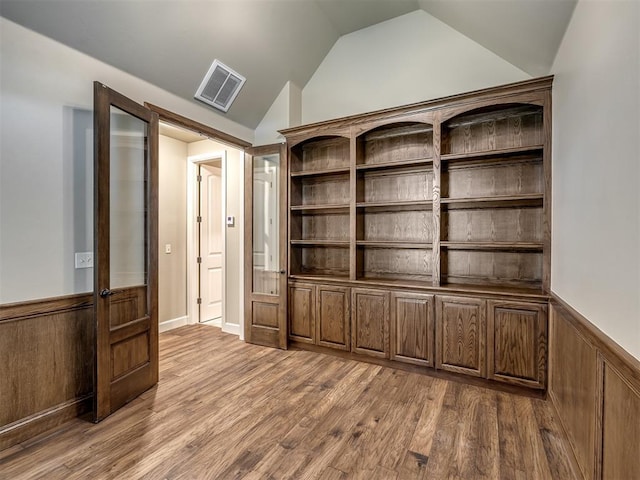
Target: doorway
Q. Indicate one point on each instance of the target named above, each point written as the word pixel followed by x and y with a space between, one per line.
pixel 195 284
pixel 206 176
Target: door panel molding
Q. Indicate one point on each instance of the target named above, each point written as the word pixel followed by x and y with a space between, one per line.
pixel 117 342
pixel 265 319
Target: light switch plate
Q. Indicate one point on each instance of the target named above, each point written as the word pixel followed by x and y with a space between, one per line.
pixel 84 259
pixel 231 220
pixel 167 248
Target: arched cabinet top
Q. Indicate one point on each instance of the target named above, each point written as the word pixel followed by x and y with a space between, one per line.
pixel 501 126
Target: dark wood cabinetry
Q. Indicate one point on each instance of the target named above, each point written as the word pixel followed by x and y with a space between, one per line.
pixel 333 317
pixel 434 219
pixel 517 343
pixel 370 327
pixel 461 338
pixel 302 312
pixel 412 328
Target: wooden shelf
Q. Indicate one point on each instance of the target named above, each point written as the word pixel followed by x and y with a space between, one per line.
pixel 397 206
pixel 512 246
pixel 533 291
pixel 321 243
pixel 395 165
pixel 318 277
pixel 340 207
pixel 503 152
pixel 497 201
pixel 328 171
pixel 393 244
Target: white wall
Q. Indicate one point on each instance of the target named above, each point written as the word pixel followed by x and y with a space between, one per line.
pixel 408 59
pixel 46 156
pixel 172 229
pixel 234 252
pixel 286 111
pixel 596 168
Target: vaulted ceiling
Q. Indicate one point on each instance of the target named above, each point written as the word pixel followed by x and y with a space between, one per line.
pixel 171 43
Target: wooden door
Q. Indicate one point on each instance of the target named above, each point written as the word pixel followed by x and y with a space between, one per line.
pixel 370 322
pixel 126 250
pixel 333 317
pixel 516 343
pixel 211 243
pixel 265 233
pixel 412 329
pixel 460 340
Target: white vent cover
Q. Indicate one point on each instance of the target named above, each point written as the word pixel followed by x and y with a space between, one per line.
pixel 220 86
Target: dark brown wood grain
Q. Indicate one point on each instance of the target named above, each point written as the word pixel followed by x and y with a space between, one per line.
pixel 205 130
pixel 621 428
pixel 461 336
pixel 370 322
pixel 46 365
pixel 574 383
pixel 443 197
pixel 594 386
pixel 297 414
pixel 302 312
pixel 412 328
pixel 517 343
pixel 123 368
pixel 333 317
pixel 265 315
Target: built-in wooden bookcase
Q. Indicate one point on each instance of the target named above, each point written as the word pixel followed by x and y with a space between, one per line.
pixel 492 197
pixel 426 217
pixel 394 185
pixel 319 207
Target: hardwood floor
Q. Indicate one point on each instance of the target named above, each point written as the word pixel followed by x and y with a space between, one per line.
pixel 224 409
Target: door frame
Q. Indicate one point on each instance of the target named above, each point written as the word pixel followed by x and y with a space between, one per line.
pixel 193 270
pixel 210 133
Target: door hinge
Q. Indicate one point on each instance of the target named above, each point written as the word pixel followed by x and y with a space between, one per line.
pixel 199 259
pixel 199 178
pixel 199 219
pixel 199 301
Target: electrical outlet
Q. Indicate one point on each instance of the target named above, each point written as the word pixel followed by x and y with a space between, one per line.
pixel 84 259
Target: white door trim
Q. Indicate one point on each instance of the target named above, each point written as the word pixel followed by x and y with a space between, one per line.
pixel 192 232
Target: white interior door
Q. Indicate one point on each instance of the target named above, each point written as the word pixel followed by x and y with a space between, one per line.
pixel 211 243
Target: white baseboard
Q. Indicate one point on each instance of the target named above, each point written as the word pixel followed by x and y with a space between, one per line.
pixel 173 323
pixel 231 328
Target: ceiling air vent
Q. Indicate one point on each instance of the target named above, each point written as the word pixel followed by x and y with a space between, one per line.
pixel 220 86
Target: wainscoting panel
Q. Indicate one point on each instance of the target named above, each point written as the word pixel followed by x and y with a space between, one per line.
pixel 46 365
pixel 594 386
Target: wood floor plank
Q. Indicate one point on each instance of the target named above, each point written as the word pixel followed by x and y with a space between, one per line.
pixel 224 409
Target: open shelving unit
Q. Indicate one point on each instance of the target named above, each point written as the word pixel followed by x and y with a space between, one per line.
pixel 428 228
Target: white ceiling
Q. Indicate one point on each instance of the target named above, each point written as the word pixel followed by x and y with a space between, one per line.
pixel 171 43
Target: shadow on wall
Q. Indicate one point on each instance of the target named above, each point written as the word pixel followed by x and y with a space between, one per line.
pixel 78 195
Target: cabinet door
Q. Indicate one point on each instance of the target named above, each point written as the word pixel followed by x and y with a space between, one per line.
pixel 333 313
pixel 370 322
pixel 412 328
pixel 302 319
pixel 517 343
pixel 461 334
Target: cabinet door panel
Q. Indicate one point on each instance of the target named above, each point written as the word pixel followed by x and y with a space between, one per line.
pixel 517 343
pixel 302 324
pixel 333 317
pixel 460 338
pixel 370 322
pixel 412 328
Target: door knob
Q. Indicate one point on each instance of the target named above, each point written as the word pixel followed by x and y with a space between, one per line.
pixel 282 272
pixel 105 292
